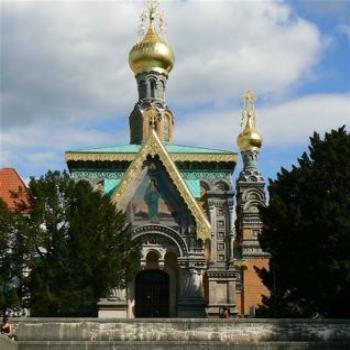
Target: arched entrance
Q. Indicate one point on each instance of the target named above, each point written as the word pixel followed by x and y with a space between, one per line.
pixel 152 294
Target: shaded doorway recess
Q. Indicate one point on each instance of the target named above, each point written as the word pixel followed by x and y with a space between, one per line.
pixel 152 294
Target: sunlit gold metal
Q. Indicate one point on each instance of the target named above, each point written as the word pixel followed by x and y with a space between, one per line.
pixel 151 53
pixel 153 116
pixel 249 138
pixel 71 156
pixel 152 13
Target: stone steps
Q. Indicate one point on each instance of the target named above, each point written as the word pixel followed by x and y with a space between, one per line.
pixel 172 345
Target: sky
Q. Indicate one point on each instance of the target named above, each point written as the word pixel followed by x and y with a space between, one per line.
pixel 66 83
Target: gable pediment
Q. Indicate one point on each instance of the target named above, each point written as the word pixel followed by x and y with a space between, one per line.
pixel 138 179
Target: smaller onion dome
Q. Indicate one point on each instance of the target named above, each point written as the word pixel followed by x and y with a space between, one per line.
pixel 249 138
pixel 151 54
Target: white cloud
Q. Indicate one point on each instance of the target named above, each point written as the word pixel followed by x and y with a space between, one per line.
pixel 39 147
pixel 224 48
pixel 65 68
pixel 69 60
pixel 281 125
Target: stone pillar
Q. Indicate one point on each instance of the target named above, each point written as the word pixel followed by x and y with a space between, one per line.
pixel 191 299
pixel 213 241
pixel 221 292
pixel 114 306
pixel 221 273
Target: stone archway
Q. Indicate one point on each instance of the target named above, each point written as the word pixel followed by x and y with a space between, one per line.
pixel 162 249
pixel 165 250
pixel 152 294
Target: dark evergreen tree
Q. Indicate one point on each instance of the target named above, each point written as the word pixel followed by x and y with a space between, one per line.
pixel 307 232
pixel 80 247
pixel 12 255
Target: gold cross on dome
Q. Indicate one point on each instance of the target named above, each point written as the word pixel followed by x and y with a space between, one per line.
pixel 152 7
pixel 248 96
pixel 248 99
pixel 151 14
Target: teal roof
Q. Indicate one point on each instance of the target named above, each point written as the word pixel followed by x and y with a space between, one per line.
pixel 110 185
pixel 171 148
pixel 132 148
pixel 195 187
pixel 191 149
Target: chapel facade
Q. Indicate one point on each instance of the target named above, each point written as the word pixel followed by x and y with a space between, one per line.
pixel 199 232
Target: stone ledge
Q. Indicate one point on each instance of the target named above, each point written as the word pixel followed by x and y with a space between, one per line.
pixel 7 344
pixel 186 330
pixel 180 345
pixel 29 320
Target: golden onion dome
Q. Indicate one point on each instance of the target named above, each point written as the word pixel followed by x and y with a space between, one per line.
pixel 249 139
pixel 151 54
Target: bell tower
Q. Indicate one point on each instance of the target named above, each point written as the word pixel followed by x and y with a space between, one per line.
pixel 151 59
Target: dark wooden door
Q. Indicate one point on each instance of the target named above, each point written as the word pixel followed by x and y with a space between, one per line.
pixel 152 294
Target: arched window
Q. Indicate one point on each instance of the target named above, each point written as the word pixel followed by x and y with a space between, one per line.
pixel 153 88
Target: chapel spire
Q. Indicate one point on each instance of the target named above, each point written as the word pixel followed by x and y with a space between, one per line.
pixel 250 183
pixel 151 59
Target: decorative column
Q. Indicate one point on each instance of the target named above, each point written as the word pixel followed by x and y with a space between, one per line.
pixel 221 273
pixel 191 297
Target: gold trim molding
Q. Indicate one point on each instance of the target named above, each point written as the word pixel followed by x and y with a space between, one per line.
pixel 129 157
pixel 153 147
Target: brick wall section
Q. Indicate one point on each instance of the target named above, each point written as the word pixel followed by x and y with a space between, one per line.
pixel 238 301
pixel 253 286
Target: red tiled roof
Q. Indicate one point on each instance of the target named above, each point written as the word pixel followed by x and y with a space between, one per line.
pixel 10 182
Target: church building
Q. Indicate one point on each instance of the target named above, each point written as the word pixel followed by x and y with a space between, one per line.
pixel 199 232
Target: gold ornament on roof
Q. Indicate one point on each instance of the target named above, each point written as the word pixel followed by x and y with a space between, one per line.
pixel 249 138
pixel 152 13
pixel 151 52
pixel 153 115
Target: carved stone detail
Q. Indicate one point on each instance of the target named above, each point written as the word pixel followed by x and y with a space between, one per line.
pixel 158 234
pixel 191 284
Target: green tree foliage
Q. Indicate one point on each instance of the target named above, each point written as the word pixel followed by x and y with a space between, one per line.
pixel 12 254
pixel 78 247
pixel 307 232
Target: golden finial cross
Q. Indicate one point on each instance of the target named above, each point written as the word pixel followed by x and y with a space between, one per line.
pixel 248 99
pixel 248 109
pixel 150 14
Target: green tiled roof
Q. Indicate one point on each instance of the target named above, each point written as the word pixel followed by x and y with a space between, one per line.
pixel 171 148
pixel 191 149
pixel 131 148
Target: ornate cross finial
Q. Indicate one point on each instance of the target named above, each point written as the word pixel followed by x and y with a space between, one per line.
pixel 248 98
pixel 151 14
pixel 248 109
